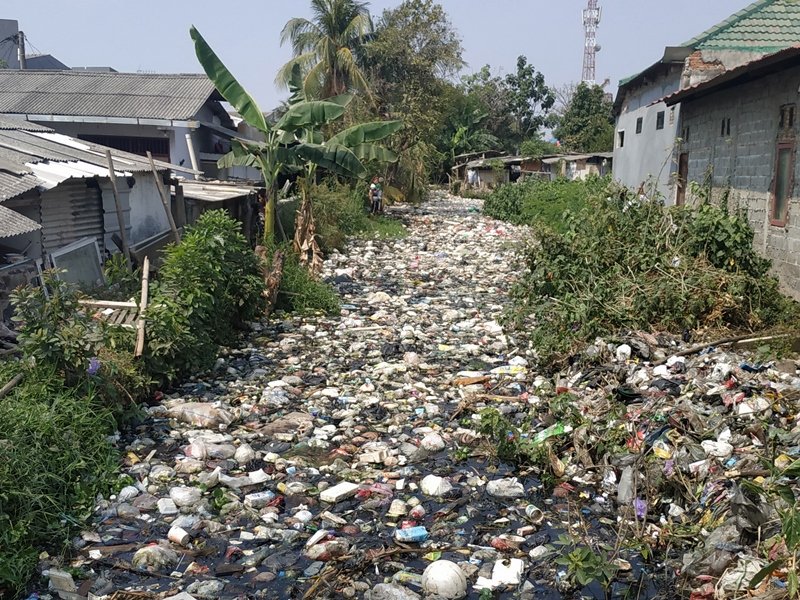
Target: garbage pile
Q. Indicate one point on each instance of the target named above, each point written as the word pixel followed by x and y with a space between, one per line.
pixel 408 449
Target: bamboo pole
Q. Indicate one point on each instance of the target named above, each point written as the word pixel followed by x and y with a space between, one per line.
pixel 140 323
pixel 120 218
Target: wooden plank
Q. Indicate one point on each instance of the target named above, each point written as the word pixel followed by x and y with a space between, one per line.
pixel 164 199
pixel 126 251
pixel 11 385
pixel 108 304
pixel 140 324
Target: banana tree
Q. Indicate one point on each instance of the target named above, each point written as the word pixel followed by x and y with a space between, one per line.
pixel 273 155
pixel 359 139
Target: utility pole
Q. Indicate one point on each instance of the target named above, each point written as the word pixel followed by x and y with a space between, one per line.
pixel 20 39
pixel 591 22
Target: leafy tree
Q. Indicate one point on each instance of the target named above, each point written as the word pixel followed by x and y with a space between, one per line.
pixel 410 55
pixel 529 100
pixel 326 48
pixel 491 94
pixel 537 148
pixel 588 123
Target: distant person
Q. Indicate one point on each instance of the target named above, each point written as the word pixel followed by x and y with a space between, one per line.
pixel 374 197
pixel 380 195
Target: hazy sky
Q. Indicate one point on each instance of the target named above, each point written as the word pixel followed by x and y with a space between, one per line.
pixel 152 35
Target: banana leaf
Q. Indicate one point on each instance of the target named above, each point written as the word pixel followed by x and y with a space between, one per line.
pixel 342 100
pixel 374 152
pixel 296 91
pixel 226 83
pixel 241 155
pixel 366 132
pixel 335 158
pixel 308 115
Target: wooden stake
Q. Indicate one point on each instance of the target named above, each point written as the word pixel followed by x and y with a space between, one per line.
pixel 164 199
pixel 142 306
pixel 11 385
pixel 120 218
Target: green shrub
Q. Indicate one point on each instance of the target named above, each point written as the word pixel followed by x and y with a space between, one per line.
pixel 542 202
pixel 209 285
pixel 623 264
pixel 340 212
pixel 86 353
pixel 54 459
pixel 299 292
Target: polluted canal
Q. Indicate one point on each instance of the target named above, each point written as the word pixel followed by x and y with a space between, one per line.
pixel 346 456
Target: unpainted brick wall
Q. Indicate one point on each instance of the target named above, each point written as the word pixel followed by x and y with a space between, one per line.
pixel 741 165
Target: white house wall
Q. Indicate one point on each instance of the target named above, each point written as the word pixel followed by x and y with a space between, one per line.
pixel 648 156
pixel 147 216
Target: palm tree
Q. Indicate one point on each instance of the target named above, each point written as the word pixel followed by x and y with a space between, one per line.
pixel 326 47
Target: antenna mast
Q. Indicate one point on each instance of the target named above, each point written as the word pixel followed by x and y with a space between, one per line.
pixel 591 22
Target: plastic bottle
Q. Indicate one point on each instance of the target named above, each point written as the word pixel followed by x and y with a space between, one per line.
pixel 552 431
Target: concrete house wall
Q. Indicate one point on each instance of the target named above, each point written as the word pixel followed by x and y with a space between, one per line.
pixel 648 156
pixel 741 165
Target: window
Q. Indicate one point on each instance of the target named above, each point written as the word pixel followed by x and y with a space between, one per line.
pixel 660 120
pixel 672 116
pixel 782 185
pixel 686 132
pixel 787 116
pixel 621 139
pixel 725 130
pixel 639 123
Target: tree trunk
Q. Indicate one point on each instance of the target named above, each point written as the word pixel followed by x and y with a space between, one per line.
pixel 272 276
pixel 305 237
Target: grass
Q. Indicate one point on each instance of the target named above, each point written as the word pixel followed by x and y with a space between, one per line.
pixel 300 292
pixel 54 459
pixel 543 203
pixel 340 212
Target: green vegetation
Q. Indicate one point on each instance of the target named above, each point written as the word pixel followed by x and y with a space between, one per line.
pixel 541 202
pixel 339 212
pixel 208 286
pixel 81 380
pixel 54 459
pixel 587 124
pixel 616 263
pixel 326 48
pixel 300 292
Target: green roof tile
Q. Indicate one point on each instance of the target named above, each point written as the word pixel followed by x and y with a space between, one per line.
pixel 764 26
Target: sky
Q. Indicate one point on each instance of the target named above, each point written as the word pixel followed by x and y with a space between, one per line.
pixel 152 35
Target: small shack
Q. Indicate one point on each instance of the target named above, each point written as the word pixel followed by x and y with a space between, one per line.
pixel 580 166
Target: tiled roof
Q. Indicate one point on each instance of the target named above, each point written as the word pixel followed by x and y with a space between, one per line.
pixel 764 26
pixel 99 94
pixel 12 223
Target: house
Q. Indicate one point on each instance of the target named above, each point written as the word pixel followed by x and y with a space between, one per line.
pixel 56 190
pixel 180 118
pixel 740 146
pixel 647 129
pixel 580 166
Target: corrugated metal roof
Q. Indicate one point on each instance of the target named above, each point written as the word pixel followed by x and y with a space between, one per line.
pixel 11 123
pixel 214 192
pixel 12 223
pixel 14 185
pixel 42 158
pixel 97 94
pixel 764 26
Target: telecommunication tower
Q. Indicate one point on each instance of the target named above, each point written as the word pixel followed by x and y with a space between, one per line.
pixel 591 22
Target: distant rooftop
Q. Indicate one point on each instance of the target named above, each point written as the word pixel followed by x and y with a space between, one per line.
pixel 104 94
